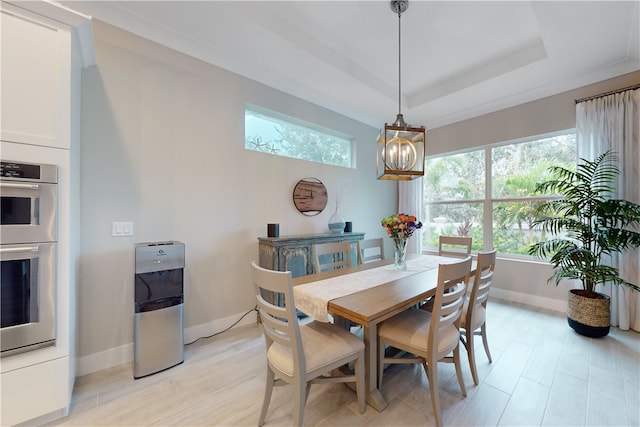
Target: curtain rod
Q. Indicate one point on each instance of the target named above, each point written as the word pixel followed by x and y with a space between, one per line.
pixel 634 87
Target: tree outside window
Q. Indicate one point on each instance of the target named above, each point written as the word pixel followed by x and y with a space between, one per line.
pixel 457 202
pixel 454 191
pixel 288 138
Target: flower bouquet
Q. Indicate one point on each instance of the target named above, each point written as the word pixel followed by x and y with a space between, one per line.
pixel 400 227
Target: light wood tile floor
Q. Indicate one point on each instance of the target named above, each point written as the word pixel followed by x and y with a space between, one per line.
pixel 543 374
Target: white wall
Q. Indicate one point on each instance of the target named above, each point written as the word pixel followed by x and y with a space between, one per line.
pixel 163 146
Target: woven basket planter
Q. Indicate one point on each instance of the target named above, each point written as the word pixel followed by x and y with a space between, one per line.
pixel 589 314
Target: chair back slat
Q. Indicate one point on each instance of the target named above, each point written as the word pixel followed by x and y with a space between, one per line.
pixel 370 250
pixel 274 322
pixel 454 246
pixel 451 303
pixel 447 307
pixel 331 256
pixel 481 284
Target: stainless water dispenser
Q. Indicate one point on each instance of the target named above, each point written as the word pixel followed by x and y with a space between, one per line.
pixel 159 298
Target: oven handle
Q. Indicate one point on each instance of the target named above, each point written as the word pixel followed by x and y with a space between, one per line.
pixel 19 185
pixel 19 249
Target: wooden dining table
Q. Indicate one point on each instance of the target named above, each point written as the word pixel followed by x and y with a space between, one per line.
pixel 368 307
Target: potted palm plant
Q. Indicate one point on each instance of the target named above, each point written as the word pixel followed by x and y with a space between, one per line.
pixel 587 226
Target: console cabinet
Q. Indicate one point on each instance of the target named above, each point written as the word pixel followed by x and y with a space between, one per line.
pixel 293 253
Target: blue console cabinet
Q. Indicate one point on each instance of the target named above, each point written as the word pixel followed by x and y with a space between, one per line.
pixel 293 253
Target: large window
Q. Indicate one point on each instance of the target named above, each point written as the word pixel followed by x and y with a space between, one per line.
pixel 284 136
pixel 454 197
pixel 489 193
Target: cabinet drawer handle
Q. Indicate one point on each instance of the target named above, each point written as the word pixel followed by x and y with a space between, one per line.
pixel 19 186
pixel 20 249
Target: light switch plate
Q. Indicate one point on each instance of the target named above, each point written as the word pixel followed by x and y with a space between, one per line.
pixel 121 228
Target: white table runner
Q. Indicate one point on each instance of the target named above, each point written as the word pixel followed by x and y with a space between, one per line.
pixel 313 298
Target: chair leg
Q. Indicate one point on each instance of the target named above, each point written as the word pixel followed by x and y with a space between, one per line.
pixel 456 362
pixel 432 375
pixel 359 372
pixel 483 331
pixel 307 392
pixel 267 395
pixel 342 323
pixel 380 362
pixel 300 391
pixel 471 354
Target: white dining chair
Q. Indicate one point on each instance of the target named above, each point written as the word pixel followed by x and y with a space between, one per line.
pixel 430 337
pixel 331 256
pixel 370 250
pixel 301 355
pixel 454 246
pixel 473 318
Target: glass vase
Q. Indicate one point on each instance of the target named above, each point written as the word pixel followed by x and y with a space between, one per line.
pixel 336 222
pixel 399 252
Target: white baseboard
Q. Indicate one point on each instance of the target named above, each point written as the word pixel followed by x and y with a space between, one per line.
pixel 104 359
pixel 124 354
pixel 536 301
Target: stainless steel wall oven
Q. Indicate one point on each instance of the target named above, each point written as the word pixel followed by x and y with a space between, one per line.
pixel 28 238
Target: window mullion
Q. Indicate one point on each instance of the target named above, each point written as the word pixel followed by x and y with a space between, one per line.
pixel 488 202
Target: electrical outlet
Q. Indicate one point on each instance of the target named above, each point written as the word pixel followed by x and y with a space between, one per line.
pixel 120 228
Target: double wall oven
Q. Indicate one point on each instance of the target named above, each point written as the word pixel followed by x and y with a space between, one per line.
pixel 28 256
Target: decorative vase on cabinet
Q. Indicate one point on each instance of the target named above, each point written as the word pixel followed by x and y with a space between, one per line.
pixel 336 221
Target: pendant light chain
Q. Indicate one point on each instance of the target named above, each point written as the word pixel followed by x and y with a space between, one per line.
pixel 399 63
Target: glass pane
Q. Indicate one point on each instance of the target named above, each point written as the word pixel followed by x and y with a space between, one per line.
pixel 288 139
pixel 15 308
pixel 516 168
pixel 15 210
pixel 455 177
pixel 457 219
pixel 512 230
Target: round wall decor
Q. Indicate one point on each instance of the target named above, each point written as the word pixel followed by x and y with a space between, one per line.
pixel 310 196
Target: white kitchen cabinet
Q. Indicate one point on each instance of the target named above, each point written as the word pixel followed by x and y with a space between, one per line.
pixel 44 47
pixel 20 402
pixel 35 77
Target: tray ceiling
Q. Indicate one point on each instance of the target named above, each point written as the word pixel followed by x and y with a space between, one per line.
pixel 460 59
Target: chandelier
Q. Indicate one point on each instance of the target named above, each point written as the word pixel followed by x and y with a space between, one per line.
pixel 400 147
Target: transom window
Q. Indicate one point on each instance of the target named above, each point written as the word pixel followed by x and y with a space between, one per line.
pixel 489 193
pixel 279 135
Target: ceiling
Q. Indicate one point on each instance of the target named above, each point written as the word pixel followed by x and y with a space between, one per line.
pixel 460 59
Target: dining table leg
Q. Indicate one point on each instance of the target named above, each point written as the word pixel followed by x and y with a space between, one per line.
pixel 373 396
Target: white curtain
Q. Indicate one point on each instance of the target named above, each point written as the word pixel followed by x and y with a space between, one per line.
pixel 612 122
pixel 410 203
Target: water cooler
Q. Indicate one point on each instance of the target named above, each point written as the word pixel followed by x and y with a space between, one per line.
pixel 159 298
